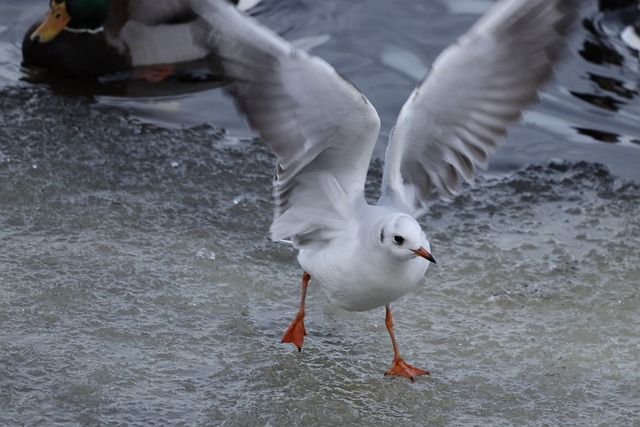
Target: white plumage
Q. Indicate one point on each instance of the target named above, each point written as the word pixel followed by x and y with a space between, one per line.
pixel 323 131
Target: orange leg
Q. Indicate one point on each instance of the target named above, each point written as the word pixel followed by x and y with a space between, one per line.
pixel 400 367
pixel 296 332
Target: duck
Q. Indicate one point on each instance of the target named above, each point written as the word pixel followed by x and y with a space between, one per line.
pixel 88 39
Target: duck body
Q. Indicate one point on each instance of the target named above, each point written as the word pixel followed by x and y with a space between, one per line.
pixel 75 55
pixel 91 38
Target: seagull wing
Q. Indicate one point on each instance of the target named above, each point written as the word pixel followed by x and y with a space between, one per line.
pixel 320 127
pixel 474 90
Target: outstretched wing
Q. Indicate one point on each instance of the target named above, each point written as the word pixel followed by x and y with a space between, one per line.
pixel 320 127
pixel 474 90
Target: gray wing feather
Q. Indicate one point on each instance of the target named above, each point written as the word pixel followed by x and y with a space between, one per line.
pixel 475 89
pixel 320 127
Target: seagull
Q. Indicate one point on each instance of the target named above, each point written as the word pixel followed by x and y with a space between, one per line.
pixel 322 130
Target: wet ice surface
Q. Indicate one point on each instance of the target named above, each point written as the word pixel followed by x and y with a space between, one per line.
pixel 138 286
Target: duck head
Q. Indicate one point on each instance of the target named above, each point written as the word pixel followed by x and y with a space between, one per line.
pixel 72 14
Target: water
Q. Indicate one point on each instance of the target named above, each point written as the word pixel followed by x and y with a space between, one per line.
pixel 138 286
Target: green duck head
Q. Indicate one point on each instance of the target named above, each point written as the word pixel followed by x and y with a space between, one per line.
pixel 74 14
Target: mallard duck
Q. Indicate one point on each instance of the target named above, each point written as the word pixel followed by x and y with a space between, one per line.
pixel 92 38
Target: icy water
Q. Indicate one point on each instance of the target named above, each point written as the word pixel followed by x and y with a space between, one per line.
pixel 137 286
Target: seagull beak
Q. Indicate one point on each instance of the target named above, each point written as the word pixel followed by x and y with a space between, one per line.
pixel 422 252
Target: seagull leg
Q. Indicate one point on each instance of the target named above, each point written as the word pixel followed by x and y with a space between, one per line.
pixel 296 331
pixel 400 367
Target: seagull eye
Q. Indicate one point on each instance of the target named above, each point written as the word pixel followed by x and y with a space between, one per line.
pixel 398 239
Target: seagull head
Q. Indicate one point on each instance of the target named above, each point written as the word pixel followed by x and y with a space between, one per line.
pixel 403 237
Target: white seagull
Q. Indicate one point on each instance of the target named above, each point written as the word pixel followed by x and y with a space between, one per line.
pixel 323 131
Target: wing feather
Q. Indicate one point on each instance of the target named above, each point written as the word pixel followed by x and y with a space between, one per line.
pixel 319 126
pixel 475 89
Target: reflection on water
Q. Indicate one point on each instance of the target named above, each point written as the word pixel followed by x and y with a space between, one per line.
pixel 614 86
pixel 599 135
pixel 187 78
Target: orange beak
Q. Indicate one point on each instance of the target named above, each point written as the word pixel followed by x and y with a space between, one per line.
pixel 56 20
pixel 422 252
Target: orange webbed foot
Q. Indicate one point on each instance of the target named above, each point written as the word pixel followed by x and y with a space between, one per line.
pixel 296 332
pixel 403 369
